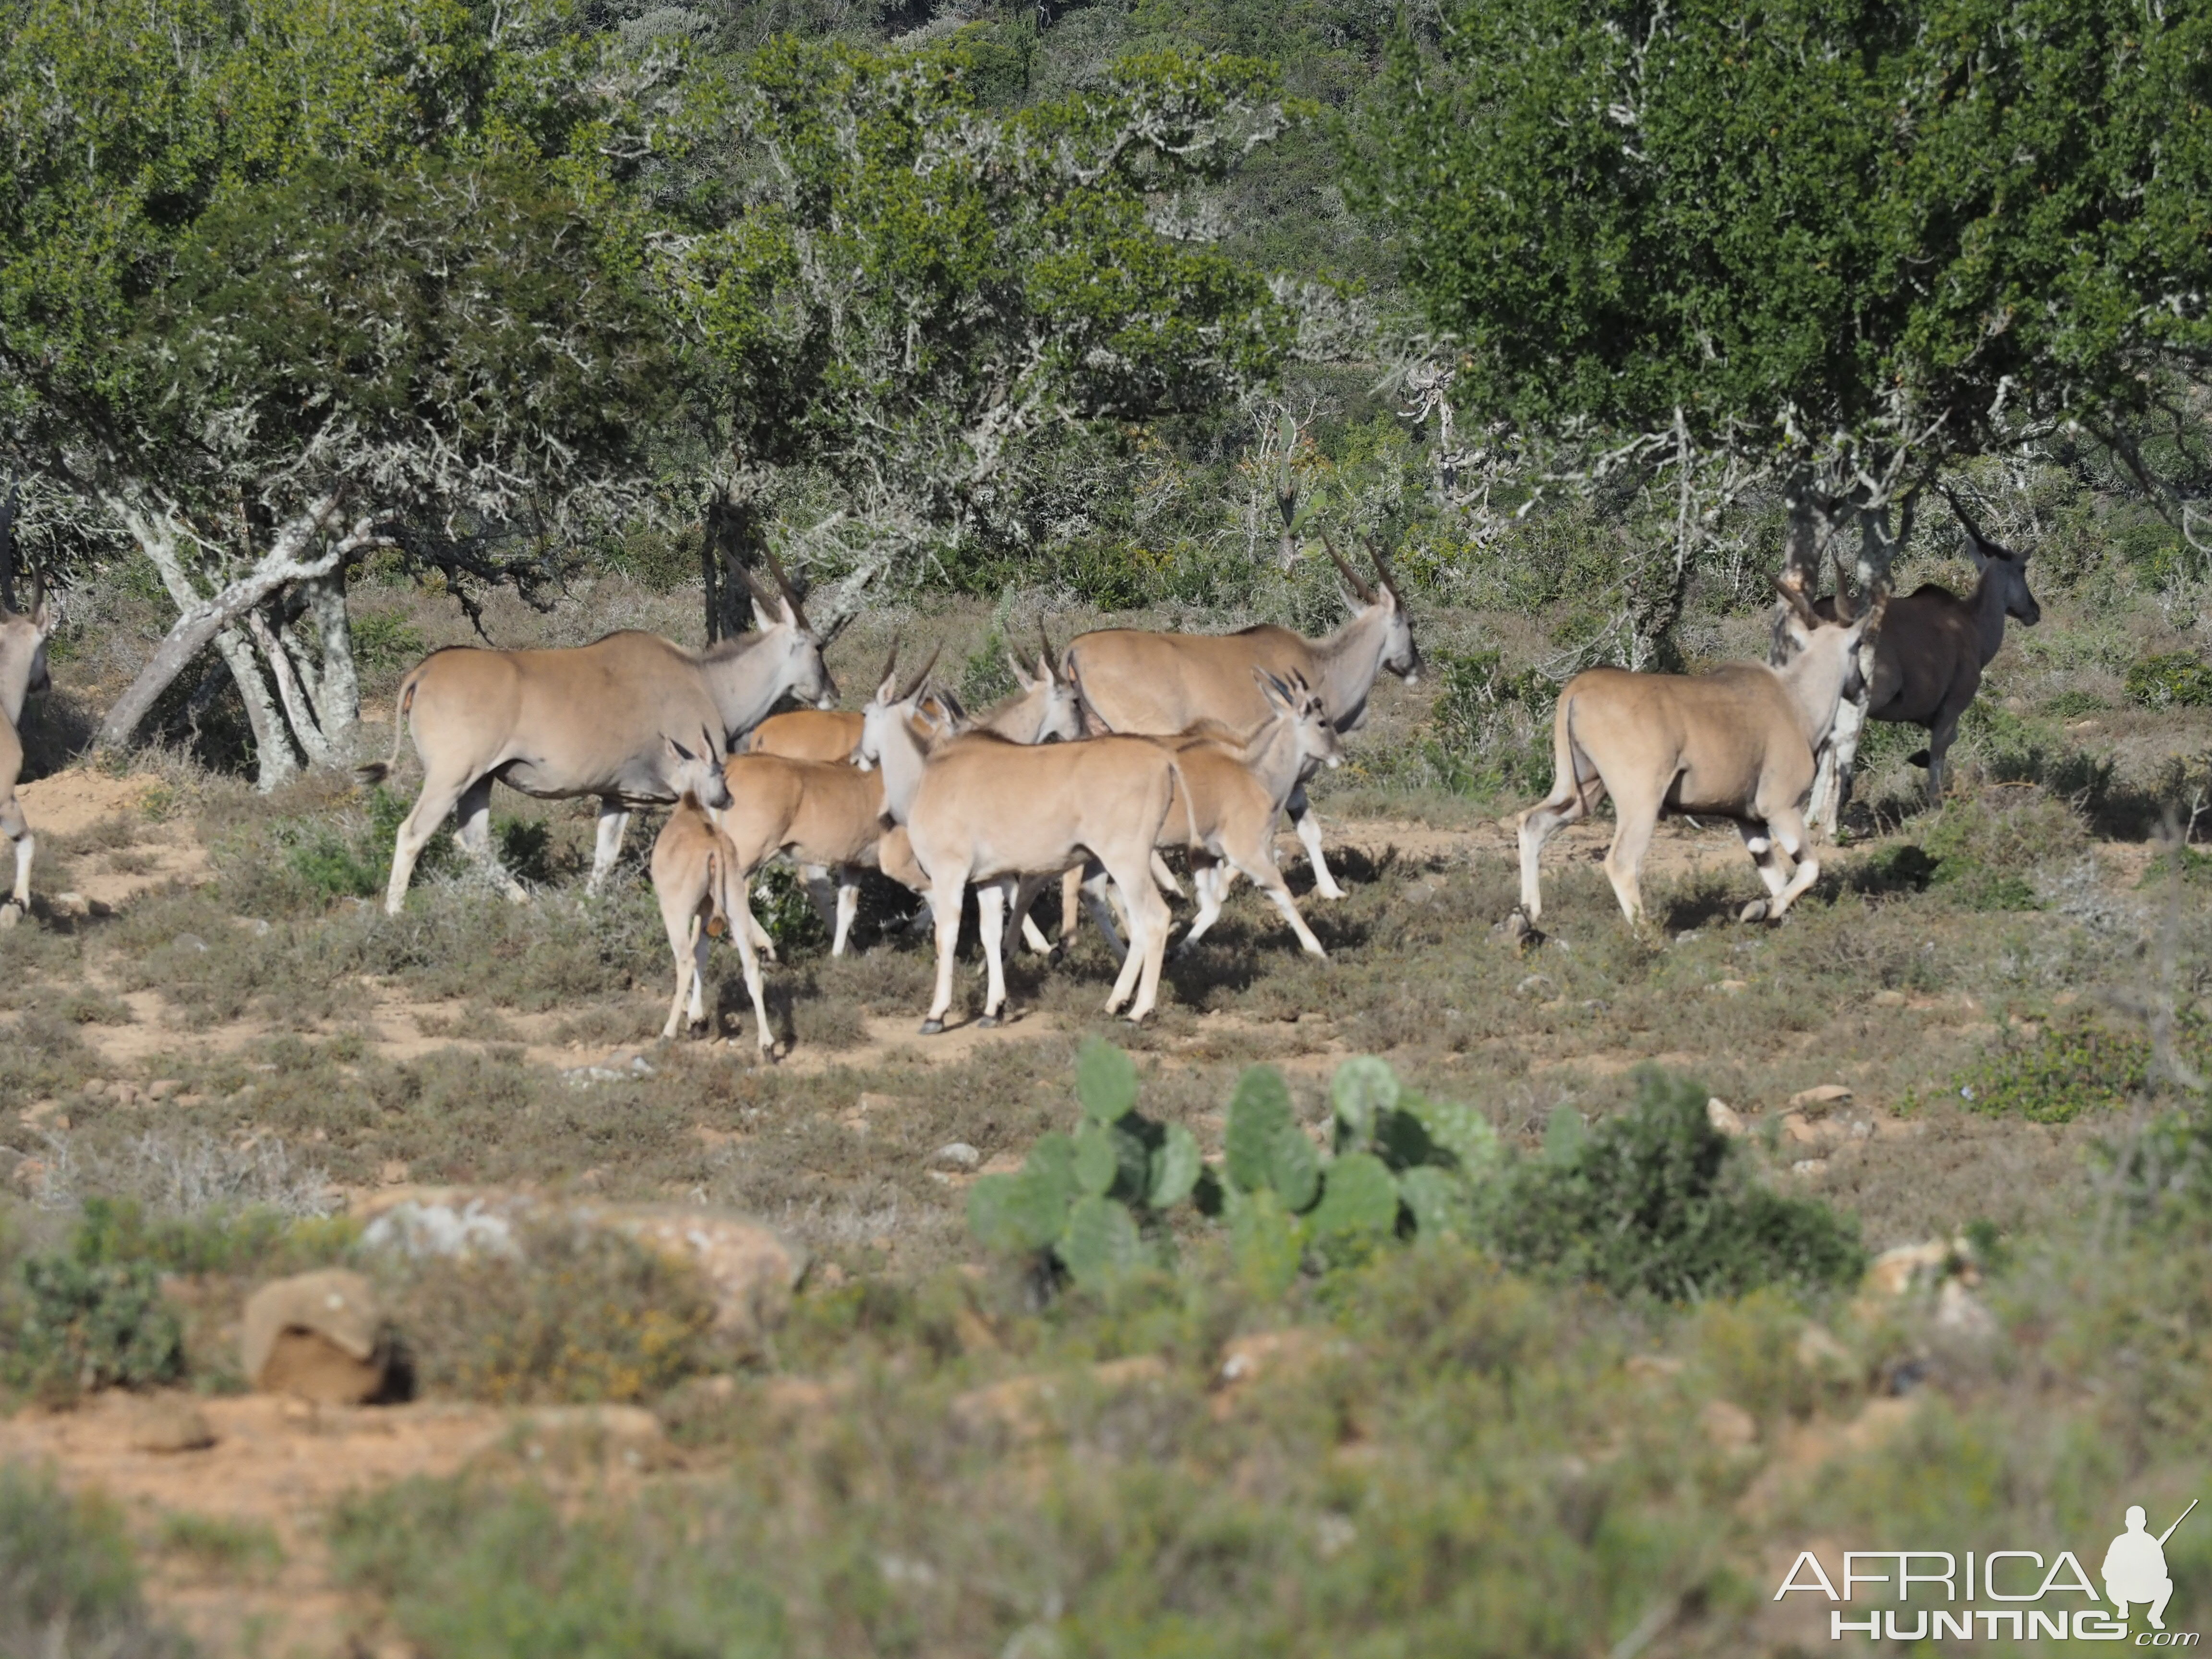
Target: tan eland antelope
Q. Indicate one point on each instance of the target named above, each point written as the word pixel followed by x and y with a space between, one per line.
pixel 985 812
pixel 1160 685
pixel 1738 742
pixel 1929 657
pixel 698 883
pixel 23 636
pixel 831 817
pixel 1237 784
pixel 584 721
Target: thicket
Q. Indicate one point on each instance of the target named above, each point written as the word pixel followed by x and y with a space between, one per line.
pixel 1653 1201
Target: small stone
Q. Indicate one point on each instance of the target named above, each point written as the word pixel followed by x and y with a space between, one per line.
pixel 167 1424
pixel 69 904
pixel 956 1155
pixel 1825 1094
pixel 38 1112
pixel 95 1088
pixel 191 942
pixel 393 1174
pixel 122 1094
pixel 1726 1426
pixel 163 1087
pixel 1889 999
pixel 1724 1117
pixel 1809 1167
pixel 1959 1310
pixel 1796 1129
pixel 1730 987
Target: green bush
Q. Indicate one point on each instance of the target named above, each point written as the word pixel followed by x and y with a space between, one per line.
pixel 385 638
pixel 2177 679
pixel 472 1570
pixel 1657 1201
pixel 91 1324
pixel 1981 848
pixel 1491 731
pixel 2067 1070
pixel 68 1585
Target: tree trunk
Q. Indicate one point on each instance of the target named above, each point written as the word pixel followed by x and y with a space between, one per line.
pixel 1809 518
pixel 298 712
pixel 200 619
pixel 338 702
pixel 272 749
pixel 730 546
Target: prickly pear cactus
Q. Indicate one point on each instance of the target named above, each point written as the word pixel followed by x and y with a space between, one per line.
pixel 1265 1147
pixel 1358 1194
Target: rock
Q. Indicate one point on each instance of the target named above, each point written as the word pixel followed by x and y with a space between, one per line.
pixel 95 1088
pixel 191 942
pixel 1724 1117
pixel 1796 1130
pixel 1730 987
pixel 1819 1350
pixel 1822 1095
pixel 750 1271
pixel 1726 1426
pixel 1889 999
pixel 956 1155
pixel 167 1422
pixel 163 1087
pixel 72 905
pixel 1893 1271
pixel 393 1174
pixel 442 1221
pixel 616 1068
pixel 316 1336
pixel 1810 1168
pixel 1959 1310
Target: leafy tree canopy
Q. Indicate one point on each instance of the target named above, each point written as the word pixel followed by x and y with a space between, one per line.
pixel 906 287
pixel 1804 222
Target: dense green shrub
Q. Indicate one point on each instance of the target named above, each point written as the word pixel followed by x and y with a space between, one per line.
pixel 1657 1201
pixel 2179 680
pixel 1492 730
pixel 87 1323
pixel 2084 1065
pixel 68 1585
pixel 385 638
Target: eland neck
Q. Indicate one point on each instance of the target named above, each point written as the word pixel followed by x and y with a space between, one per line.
pixel 1815 679
pixel 745 681
pixel 1988 603
pixel 1346 663
pixel 900 759
pixel 1271 755
pixel 19 652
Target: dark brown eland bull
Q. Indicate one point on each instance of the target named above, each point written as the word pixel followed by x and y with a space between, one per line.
pixel 585 721
pixel 1928 658
pixel 1738 742
pixel 1159 685
pixel 23 636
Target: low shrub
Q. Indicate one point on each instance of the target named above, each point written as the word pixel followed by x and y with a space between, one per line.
pixel 91 1324
pixel 2068 1070
pixel 1491 731
pixel 385 638
pixel 68 1585
pixel 2177 679
pixel 584 1315
pixel 1657 1201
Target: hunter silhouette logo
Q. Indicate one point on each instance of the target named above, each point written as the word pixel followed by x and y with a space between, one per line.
pixel 2029 1596
pixel 2134 1567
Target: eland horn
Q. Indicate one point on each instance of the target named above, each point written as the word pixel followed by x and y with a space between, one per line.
pixel 1965 519
pixel 922 678
pixel 1359 583
pixel 1794 598
pixel 790 593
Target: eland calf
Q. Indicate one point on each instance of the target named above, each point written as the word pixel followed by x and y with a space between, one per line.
pixel 700 884
pixel 1738 742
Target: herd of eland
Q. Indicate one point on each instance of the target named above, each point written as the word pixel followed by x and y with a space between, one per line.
pixel 1126 743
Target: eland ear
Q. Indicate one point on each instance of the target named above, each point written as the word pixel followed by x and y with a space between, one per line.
pixel 678 749
pixel 1021 674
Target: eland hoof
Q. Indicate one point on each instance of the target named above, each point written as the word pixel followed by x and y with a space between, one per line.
pixel 987 1022
pixel 1754 911
pixel 933 1028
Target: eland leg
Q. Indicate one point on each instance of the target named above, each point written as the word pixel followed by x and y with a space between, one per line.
pixel 738 903
pixel 1258 862
pixel 473 833
pixel 606 845
pixel 421 822
pixel 1787 827
pixel 990 927
pixel 17 829
pixel 944 895
pixel 1638 818
pixel 849 906
pixel 1308 827
pixel 1148 941
pixel 1574 791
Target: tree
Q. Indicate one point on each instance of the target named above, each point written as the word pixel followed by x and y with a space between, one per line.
pixel 1836 243
pixel 276 277
pixel 906 293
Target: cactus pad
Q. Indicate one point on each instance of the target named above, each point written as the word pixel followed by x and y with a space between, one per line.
pixel 1101 1242
pixel 1105 1081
